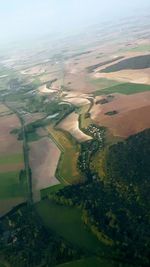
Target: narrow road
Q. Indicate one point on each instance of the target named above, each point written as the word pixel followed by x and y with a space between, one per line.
pixel 25 151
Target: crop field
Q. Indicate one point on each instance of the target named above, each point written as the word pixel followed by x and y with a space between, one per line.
pixel 11 159
pixel 130 115
pixel 143 46
pixel 71 124
pixel 139 62
pixel 102 83
pixel 124 88
pixel 43 163
pixel 10 186
pixel 67 171
pixel 66 221
pixel 13 184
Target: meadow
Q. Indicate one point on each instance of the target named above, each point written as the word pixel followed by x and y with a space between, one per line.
pixel 11 186
pixel 67 222
pixel 11 159
pixel 124 88
pixel 67 171
pixel 102 83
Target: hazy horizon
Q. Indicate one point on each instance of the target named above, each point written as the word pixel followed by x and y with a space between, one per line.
pixel 32 18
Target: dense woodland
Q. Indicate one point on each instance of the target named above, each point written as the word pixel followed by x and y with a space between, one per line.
pixel 116 206
pixel 26 242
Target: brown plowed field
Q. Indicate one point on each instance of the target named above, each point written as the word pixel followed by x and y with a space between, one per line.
pixel 11 157
pixel 133 114
pixel 9 143
pixel 44 156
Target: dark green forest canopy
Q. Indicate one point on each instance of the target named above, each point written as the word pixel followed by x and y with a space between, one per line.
pixel 139 62
pixel 129 163
pixel 119 204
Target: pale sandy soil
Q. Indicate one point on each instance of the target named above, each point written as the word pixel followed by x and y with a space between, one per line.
pixel 132 114
pixel 43 89
pixel 47 77
pixel 77 101
pixel 40 69
pixel 3 108
pixel 44 156
pixel 78 81
pixel 76 98
pixel 71 124
pixel 134 76
pixel 76 76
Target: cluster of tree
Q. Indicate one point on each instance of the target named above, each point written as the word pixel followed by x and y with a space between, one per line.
pixel 26 242
pixel 88 148
pixel 116 206
pixel 126 165
pixel 38 103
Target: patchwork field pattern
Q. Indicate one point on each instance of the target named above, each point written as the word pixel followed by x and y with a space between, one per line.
pixel 13 185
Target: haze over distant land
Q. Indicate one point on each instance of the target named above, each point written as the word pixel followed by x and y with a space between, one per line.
pixel 21 20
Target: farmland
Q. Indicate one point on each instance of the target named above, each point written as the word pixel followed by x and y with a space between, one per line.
pixel 43 164
pixel 67 171
pixel 74 116
pixel 124 88
pixel 130 116
pixel 13 184
pixel 71 125
pixel 139 62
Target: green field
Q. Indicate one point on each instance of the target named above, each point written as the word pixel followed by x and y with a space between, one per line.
pixel 124 88
pixel 10 186
pixel 11 159
pixel 139 48
pixel 67 170
pixel 66 222
pixel 51 190
pixel 103 83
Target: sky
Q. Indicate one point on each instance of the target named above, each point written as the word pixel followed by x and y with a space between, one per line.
pixel 29 18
